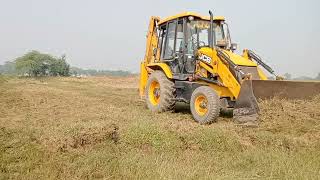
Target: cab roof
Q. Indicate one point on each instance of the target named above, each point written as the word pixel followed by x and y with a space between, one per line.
pixel 186 14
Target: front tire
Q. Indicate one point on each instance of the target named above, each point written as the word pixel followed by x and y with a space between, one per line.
pixel 160 92
pixel 205 105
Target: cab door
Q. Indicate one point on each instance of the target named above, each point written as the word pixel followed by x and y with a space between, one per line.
pixel 180 46
pixel 172 43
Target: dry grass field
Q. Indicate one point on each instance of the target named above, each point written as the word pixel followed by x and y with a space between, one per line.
pixel 98 128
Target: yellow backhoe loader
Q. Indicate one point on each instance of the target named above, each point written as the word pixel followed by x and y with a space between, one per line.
pixel 190 58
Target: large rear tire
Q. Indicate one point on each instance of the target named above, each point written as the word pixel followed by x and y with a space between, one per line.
pixel 205 105
pixel 160 92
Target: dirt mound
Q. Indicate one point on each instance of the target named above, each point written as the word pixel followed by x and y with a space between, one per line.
pixel 83 138
pixel 275 112
pixel 297 118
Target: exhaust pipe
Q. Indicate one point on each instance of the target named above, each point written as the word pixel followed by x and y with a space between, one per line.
pixel 211 33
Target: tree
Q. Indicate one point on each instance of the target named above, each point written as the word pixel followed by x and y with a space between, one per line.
pixel 59 67
pixel 35 63
pixel 318 77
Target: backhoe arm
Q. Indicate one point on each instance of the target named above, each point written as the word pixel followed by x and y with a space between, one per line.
pixel 151 44
pixel 152 40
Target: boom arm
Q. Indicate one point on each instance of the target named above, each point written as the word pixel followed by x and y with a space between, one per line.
pixel 152 39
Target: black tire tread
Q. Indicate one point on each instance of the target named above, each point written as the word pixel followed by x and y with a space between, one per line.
pixel 167 92
pixel 213 104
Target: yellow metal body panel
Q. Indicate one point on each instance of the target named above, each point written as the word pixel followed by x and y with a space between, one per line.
pixel 146 69
pixel 206 67
pixel 245 54
pixel 228 80
pixel 262 75
pixel 240 60
pixel 230 86
pixel 152 40
pixel 161 66
pixel 151 43
pixel 143 79
pixel 222 91
pixel 185 14
pixel 209 52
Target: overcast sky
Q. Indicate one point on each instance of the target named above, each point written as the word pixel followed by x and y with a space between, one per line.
pixel 105 34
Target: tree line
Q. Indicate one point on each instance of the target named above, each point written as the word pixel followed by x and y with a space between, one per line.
pixel 289 77
pixel 93 72
pixel 36 64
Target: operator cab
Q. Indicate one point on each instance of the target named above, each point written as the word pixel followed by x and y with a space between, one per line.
pixel 181 36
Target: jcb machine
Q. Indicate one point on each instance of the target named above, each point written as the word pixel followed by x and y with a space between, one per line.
pixel 190 58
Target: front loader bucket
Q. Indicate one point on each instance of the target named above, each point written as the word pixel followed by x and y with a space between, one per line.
pixel 246 108
pixel 285 89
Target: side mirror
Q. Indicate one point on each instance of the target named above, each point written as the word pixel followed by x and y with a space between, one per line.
pixel 234 46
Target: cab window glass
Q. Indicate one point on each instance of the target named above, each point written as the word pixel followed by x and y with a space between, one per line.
pixel 169 45
pixel 180 37
pixel 163 33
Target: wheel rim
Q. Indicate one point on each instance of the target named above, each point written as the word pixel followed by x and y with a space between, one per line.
pixel 201 104
pixel 154 93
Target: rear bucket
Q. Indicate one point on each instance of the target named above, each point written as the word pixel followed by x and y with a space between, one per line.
pixel 246 108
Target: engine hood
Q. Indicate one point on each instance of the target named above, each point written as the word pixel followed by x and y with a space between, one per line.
pixel 239 60
pixel 235 58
